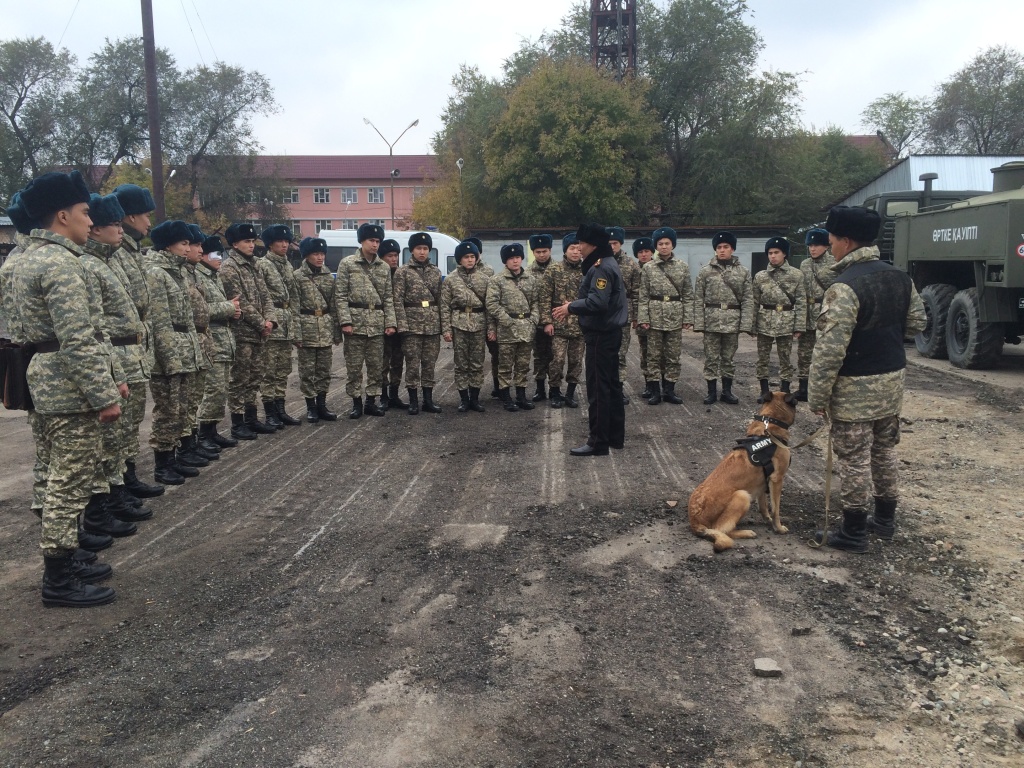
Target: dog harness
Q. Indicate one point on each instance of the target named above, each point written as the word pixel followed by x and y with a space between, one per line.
pixel 760 450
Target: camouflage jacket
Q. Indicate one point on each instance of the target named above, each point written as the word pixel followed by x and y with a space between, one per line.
pixel 538 270
pixel 559 285
pixel 776 288
pixel 6 300
pixel 484 269
pixel 200 314
pixel 46 296
pixel 222 313
pixel 727 289
pixel 280 278
pixel 129 258
pixel 363 296
pixel 631 275
pixel 462 291
pixel 854 398
pixel 666 296
pixel 416 285
pixel 242 278
pixel 315 305
pixel 512 310
pixel 175 341
pixel 818 276
pixel 120 318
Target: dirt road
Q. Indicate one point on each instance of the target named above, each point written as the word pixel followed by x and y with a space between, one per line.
pixel 455 590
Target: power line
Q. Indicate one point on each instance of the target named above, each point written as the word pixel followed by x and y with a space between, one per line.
pixel 68 24
pixel 185 13
pixel 215 56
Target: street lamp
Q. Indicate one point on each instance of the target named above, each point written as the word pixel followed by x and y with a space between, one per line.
pixel 391 160
pixel 462 211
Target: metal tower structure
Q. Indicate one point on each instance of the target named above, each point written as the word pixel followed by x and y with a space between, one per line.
pixel 613 36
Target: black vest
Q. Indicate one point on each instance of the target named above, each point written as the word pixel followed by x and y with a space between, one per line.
pixel 877 342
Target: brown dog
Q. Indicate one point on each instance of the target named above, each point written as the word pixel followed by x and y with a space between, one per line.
pixel 720 502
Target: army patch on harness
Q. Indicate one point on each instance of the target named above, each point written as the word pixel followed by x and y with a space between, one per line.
pixel 759 449
pixel 601 283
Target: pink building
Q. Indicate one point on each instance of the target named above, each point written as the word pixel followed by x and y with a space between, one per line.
pixel 344 191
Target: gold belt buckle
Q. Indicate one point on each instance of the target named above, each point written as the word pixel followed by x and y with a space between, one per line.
pixel 424 304
pixel 317 312
pixel 725 306
pixel 778 307
pixel 138 338
pixel 666 298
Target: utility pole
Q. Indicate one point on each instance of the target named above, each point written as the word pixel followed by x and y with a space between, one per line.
pixel 153 109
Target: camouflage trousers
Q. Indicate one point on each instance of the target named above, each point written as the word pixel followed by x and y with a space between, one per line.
pixel 112 446
pixel 623 351
pixel 133 418
pixel 170 400
pixel 542 354
pixel 277 367
pixel 246 373
pixel 68 448
pixel 492 350
pixel 394 362
pixel 514 363
pixel 566 350
pixel 195 384
pixel 469 358
pixel 215 391
pixel 39 468
pixel 784 348
pixel 315 370
pixel 663 351
pixel 360 351
pixel 805 348
pixel 421 351
pixel 719 352
pixel 866 460
pixel 641 340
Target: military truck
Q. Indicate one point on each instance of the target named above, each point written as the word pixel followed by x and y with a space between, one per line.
pixel 967 261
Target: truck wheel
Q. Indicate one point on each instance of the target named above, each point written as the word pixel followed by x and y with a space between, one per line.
pixel 970 342
pixel 931 342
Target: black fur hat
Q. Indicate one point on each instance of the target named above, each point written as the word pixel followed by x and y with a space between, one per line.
pixel 53 192
pixel 616 233
pixel 19 218
pixel 642 244
pixel 540 241
pixel 135 199
pixel 477 242
pixel 568 240
pixel 419 238
pixel 104 210
pixel 389 246
pixel 197 234
pixel 777 242
pixel 663 232
pixel 859 224
pixel 592 233
pixel 212 244
pixel 312 245
pixel 465 248
pixel 241 231
pixel 724 237
pixel 367 231
pixel 274 233
pixel 168 233
pixel 816 236
pixel 511 250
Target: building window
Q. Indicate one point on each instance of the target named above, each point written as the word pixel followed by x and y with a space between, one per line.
pixel 350 224
pixel 349 195
pixel 290 196
pixel 375 195
pixel 378 222
pixel 322 224
pixel 417 193
pixel 296 227
pixel 322 195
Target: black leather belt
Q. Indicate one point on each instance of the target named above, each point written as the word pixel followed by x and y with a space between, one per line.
pixel 363 305
pixel 126 341
pixel 423 304
pixel 220 323
pixel 202 328
pixel 53 345
pixel 519 316
pixel 469 310
pixel 667 298
pixel 778 307
pixel 313 312
pixel 281 304
pixel 180 328
pixel 709 305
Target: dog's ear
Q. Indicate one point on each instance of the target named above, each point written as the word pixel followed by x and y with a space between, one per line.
pixel 791 400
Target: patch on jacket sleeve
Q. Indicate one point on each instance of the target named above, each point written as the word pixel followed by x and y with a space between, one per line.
pixel 601 283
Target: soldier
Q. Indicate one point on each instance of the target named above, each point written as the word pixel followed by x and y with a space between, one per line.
pixel 464 324
pixel 560 285
pixel 394 360
pixel 512 315
pixel 780 303
pixel 317 333
pixel 492 345
pixel 364 308
pixel 176 349
pixel 857 373
pixel 70 378
pixel 223 312
pixel 631 279
pixel 277 350
pixel 723 307
pixel 243 280
pixel 417 291
pixel 818 276
pixel 541 247
pixel 664 308
pixel 643 249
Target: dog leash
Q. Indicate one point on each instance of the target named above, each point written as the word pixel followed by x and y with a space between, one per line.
pixel 828 481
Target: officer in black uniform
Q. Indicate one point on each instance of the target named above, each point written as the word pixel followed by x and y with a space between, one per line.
pixel 603 310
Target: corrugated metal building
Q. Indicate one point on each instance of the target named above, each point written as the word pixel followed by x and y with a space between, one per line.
pixel 955 172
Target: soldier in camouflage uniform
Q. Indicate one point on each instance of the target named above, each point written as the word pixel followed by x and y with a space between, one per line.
pixel 364 308
pixel 464 324
pixel 780 302
pixel 316 332
pixel 857 373
pixel 542 342
pixel 71 376
pixel 512 315
pixel 394 360
pixel 723 308
pixel 818 276
pixel 664 308
pixel 241 278
pixel 277 350
pixel 417 292
pixel 492 345
pixel 560 285
pixel 643 250
pixel 630 271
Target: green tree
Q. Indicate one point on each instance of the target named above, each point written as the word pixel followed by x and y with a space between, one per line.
pixel 901 119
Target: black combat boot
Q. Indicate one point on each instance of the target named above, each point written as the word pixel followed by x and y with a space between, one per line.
pixel 394 401
pixel 541 394
pixel 252 422
pixel 570 396
pixel 474 400
pixel 183 469
pixel 186 454
pixel 766 393
pixel 496 392
pixel 282 414
pixel 311 415
pixel 429 406
pixel 118 506
pixel 727 396
pixel 222 441
pixel 270 415
pixel 206 441
pixel 163 469
pixel 647 390
pixel 328 415
pixel 357 407
pixel 625 399
pixel 669 395
pixel 239 429
pixel 852 535
pixel 883 522
pixel 557 401
pixel 62 587
pixel 506 398
pixel 655 388
pixel 138 488
pixel 414 401
pixel 89 571
pixel 372 409
pixel 712 397
pixel 96 519
pixel 93 542
pixel 84 556
pixel 463 401
pixel 196 445
pixel 784 386
pixel 801 393
pixel 522 400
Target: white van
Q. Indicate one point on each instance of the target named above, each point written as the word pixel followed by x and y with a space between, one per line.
pixel 342 243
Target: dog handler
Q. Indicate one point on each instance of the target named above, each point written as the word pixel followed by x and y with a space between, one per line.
pixel 857 373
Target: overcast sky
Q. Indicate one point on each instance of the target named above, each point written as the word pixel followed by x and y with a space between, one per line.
pixel 333 62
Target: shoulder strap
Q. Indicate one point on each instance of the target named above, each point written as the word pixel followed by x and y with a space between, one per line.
pixel 465 279
pixel 780 286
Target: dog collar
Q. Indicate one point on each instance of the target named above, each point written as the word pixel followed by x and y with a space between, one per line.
pixel 770 420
